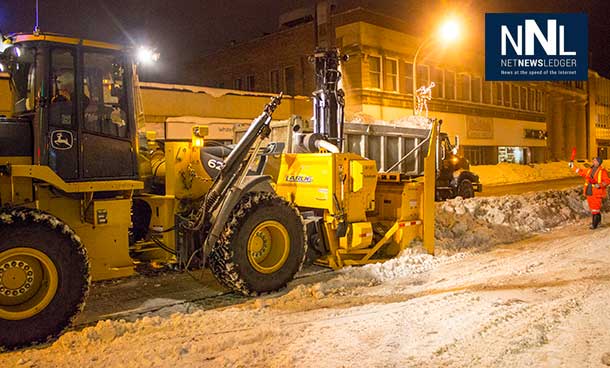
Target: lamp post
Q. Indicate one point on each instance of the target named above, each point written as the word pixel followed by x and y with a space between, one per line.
pixel 448 31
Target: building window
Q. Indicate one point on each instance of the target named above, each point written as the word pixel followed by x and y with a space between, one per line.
pixel 449 85
pixel 506 94
pixel 523 98
pixel 497 93
pixel 481 155
pixel 238 84
pixel 476 89
pixel 423 76
pixel 515 155
pixel 391 75
pixel 601 121
pixel 436 74
pixel 289 80
pixel 374 72
pixel 514 96
pixel 487 92
pixel 531 99
pixel 250 83
pixel 408 68
pixel 274 81
pixel 463 87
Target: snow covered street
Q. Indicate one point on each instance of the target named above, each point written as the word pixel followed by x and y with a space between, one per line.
pixel 540 301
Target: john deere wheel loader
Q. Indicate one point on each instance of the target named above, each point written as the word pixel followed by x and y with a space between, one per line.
pixel 81 199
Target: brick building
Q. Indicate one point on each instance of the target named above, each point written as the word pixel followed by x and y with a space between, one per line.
pixel 599 113
pixel 496 121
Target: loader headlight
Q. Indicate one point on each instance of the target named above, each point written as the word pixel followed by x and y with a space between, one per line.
pixel 147 56
pixel 199 134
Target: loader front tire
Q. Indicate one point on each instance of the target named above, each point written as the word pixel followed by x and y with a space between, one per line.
pixel 44 277
pixel 465 189
pixel 262 245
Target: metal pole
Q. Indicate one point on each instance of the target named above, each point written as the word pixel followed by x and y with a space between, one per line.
pixel 36 27
pixel 415 69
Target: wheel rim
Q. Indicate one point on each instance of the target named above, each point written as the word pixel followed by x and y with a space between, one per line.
pixel 268 247
pixel 28 282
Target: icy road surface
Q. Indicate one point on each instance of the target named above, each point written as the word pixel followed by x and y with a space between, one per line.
pixel 541 301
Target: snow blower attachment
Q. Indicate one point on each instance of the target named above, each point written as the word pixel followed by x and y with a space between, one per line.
pixel 353 214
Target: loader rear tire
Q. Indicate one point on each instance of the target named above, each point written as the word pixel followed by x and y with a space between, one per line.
pixel 262 245
pixel 44 277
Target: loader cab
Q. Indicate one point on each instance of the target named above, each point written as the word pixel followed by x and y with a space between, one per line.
pixel 76 98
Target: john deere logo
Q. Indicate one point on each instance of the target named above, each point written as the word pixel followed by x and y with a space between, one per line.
pixel 62 140
pixel 298 179
pixel 536 46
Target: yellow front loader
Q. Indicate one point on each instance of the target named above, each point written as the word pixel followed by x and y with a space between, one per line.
pixel 85 196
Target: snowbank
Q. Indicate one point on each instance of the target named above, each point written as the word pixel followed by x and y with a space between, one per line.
pixel 505 173
pixel 462 227
pixel 482 222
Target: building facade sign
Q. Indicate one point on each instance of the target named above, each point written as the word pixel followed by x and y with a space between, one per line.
pixel 478 127
pixel 535 133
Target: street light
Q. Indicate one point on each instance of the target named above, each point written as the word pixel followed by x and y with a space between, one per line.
pixel 448 31
pixel 146 55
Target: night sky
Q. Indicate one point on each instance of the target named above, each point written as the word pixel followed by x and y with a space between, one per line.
pixel 183 30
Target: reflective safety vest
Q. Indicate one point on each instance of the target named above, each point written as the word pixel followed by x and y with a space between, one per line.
pixel 601 178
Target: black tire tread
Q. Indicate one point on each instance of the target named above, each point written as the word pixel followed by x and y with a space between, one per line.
pixel 222 262
pixel 460 191
pixel 27 221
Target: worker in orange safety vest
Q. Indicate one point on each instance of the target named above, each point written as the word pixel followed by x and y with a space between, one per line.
pixel 596 181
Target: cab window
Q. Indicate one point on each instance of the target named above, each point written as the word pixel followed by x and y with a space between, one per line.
pixel 62 107
pixel 104 98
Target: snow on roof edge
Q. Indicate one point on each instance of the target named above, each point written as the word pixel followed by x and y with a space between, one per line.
pixel 214 92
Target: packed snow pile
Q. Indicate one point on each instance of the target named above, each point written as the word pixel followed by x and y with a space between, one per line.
pixel 420 122
pixel 461 226
pixel 482 222
pixel 505 173
pixel 416 122
pixel 347 281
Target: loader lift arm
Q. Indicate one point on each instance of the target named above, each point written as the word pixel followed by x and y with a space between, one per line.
pixel 230 185
pixel 236 166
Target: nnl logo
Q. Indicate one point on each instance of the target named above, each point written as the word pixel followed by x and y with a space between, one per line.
pixel 549 43
pixel 521 46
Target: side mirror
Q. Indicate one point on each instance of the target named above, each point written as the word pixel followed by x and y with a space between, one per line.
pixel 456 146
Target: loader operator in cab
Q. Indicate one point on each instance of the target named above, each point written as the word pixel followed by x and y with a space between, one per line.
pixel 63 87
pixel 64 90
pixel 596 181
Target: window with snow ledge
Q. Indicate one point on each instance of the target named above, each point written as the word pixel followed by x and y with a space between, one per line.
pixel 374 72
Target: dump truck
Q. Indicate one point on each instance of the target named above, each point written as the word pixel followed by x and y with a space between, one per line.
pixel 394 147
pixel 84 196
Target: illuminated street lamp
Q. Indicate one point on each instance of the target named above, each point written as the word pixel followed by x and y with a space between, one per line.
pixel 448 31
pixel 146 55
